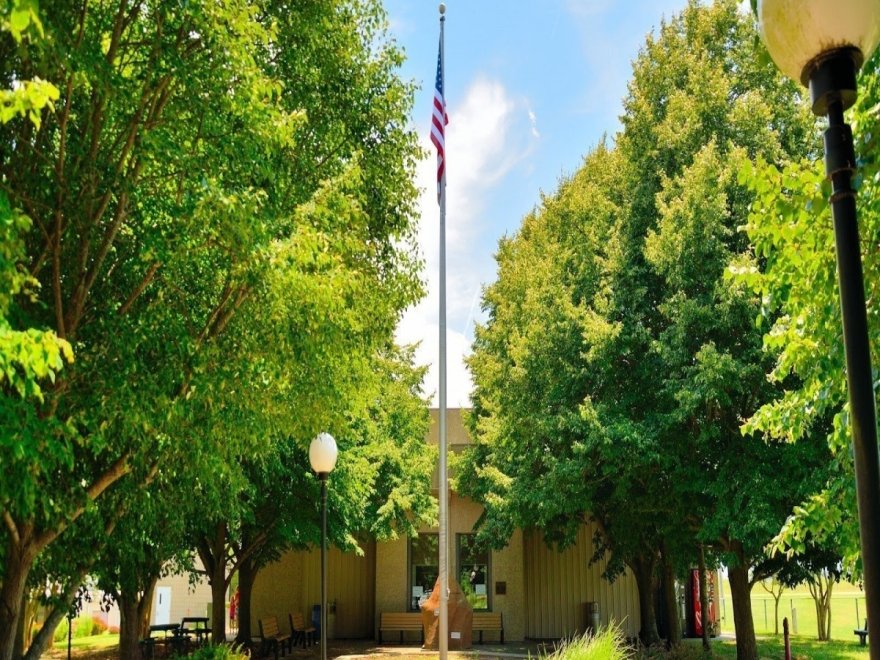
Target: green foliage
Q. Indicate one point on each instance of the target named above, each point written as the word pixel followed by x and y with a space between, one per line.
pixel 219 652
pixel 83 626
pixel 619 360
pixel 19 17
pixel 222 228
pixel 27 355
pixel 793 271
pixel 606 644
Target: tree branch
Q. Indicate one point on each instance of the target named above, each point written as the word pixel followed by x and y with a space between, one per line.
pixel 11 526
pixel 109 477
pixel 139 289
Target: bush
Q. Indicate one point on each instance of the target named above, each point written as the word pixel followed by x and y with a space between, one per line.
pixel 220 652
pixel 85 627
pixel 607 644
pixel 98 625
pixel 60 634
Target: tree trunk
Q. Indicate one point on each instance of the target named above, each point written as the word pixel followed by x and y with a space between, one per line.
pixel 129 627
pixel 643 570
pixel 821 592
pixel 776 600
pixel 704 599
pixel 215 565
pixel 247 574
pixel 30 609
pixel 43 639
pixel 828 610
pixel 19 559
pixel 741 594
pixel 673 625
pixel 145 607
pixel 18 648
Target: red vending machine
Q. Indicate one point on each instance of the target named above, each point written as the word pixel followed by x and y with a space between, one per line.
pixel 695 618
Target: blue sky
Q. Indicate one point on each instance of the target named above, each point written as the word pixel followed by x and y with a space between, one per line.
pixel 531 88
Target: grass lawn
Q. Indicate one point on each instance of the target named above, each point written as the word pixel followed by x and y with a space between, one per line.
pixel 801 649
pixel 96 642
pixel 847 611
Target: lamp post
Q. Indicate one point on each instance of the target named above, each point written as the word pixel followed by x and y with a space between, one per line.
pixel 322 456
pixel 823 43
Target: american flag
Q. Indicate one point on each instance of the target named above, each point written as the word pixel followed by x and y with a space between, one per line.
pixel 438 123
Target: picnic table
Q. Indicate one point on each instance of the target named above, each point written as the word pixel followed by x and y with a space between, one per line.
pixel 199 628
pixel 177 640
pixel 164 627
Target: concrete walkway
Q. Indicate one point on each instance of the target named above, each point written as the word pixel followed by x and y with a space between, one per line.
pixel 356 649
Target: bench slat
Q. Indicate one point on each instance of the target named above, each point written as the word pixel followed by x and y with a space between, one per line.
pixel 271 635
pixel 400 621
pixel 407 621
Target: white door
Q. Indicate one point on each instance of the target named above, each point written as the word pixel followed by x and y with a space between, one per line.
pixel 163 605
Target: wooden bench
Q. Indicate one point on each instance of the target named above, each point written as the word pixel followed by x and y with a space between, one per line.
pixel 491 621
pixel 863 634
pixel 299 630
pixel 401 621
pixel 271 636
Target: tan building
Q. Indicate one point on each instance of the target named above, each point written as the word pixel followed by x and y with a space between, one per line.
pixel 177 596
pixel 541 593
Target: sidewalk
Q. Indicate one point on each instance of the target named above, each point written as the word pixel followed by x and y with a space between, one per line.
pixel 356 649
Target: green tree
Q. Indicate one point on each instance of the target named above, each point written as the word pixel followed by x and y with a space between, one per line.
pixel 27 355
pixel 618 361
pixel 222 208
pixel 794 273
pixel 380 487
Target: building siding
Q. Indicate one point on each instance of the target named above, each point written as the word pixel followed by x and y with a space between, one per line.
pixel 293 584
pixel 545 590
pixel 186 599
pixel 559 584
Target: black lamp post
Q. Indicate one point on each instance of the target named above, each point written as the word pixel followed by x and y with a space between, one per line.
pixel 322 456
pixel 823 43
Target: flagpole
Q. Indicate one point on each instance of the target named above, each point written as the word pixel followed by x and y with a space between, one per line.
pixel 444 482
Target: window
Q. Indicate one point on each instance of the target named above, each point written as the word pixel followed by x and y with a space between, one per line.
pixel 473 571
pixel 423 568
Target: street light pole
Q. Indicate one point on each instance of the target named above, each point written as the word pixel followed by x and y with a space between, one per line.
pixel 323 477
pixel 824 43
pixel 833 90
pixel 322 456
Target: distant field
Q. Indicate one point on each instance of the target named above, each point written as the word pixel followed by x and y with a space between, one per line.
pixel 801 649
pixel 847 611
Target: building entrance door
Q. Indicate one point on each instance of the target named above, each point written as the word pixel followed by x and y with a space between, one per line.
pixel 163 606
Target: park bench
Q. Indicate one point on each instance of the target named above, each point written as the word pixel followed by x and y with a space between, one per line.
pixel 271 636
pixel 488 621
pixel 863 634
pixel 300 631
pixel 400 621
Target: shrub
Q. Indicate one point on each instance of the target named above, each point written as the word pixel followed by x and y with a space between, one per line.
pixel 60 633
pixel 83 627
pixel 98 625
pixel 607 644
pixel 220 652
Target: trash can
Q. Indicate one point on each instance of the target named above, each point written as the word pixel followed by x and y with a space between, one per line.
pixel 591 617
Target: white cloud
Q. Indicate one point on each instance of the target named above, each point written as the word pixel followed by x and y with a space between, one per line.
pixel 489 134
pixel 534 120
